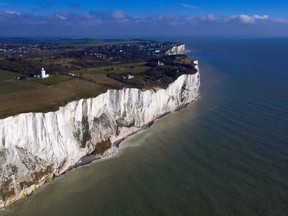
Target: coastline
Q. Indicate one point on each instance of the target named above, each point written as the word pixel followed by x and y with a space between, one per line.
pixel 112 152
pixel 92 158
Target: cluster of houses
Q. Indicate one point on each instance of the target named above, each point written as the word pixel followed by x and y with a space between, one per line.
pixel 125 52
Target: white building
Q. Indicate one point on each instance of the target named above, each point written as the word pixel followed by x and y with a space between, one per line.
pixel 160 63
pixel 43 74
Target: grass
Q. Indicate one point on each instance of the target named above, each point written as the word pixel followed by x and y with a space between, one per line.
pixel 46 98
pixel 137 70
pixel 104 80
pixel 7 75
pixel 121 68
pixel 13 86
pixel 8 85
pixel 52 80
pixel 138 80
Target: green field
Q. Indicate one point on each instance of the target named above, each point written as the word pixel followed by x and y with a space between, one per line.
pixel 7 75
pixel 52 80
pixel 43 98
pixel 8 85
pixel 13 86
pixel 43 95
pixel 133 68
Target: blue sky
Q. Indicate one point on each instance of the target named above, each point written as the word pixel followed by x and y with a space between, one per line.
pixel 124 18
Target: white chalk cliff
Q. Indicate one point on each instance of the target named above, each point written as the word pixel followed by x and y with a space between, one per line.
pixel 36 146
pixel 177 50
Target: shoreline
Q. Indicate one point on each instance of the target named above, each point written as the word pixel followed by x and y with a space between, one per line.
pixel 92 158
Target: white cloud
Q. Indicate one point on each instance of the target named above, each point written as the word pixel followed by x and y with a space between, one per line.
pixel 246 19
pixel 12 12
pixel 61 17
pixel 261 17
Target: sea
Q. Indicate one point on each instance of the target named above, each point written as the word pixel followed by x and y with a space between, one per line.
pixel 226 154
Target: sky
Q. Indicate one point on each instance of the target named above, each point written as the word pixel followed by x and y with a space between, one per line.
pixel 145 18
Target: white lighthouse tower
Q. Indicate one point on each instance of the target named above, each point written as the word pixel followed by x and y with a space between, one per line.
pixel 43 74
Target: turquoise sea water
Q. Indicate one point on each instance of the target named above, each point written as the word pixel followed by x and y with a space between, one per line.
pixel 226 154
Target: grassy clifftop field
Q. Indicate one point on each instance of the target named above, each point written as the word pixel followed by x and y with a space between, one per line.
pixel 80 69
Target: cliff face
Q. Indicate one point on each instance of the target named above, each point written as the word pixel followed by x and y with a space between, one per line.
pixel 35 146
pixel 176 50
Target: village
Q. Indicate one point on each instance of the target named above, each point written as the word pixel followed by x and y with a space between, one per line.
pixel 27 57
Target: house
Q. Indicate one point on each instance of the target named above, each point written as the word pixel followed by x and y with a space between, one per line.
pixel 127 77
pixel 160 63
